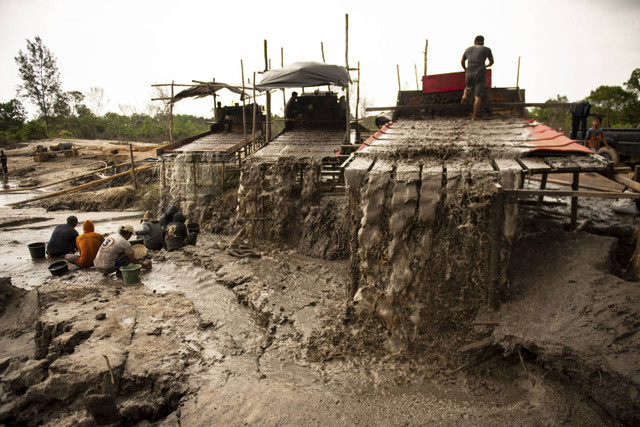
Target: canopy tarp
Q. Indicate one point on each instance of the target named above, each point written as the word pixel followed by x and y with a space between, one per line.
pixel 305 74
pixel 206 89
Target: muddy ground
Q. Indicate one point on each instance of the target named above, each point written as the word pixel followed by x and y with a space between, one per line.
pixel 220 335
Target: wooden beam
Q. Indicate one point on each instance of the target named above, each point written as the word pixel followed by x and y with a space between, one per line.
pixel 572 193
pixel 81 187
pixel 133 171
pixel 635 186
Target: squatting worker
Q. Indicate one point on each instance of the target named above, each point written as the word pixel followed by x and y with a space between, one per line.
pixel 474 63
pixel 151 232
pixel 88 244
pixel 116 251
pixel 63 239
pixel 3 160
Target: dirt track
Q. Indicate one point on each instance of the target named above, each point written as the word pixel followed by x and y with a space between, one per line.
pixel 262 337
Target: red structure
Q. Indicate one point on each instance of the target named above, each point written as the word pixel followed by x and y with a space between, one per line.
pixel 447 82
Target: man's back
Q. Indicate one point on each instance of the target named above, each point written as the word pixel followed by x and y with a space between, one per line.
pixel 476 57
pixel 62 241
pixel 111 249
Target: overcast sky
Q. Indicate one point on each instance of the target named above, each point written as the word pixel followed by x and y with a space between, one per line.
pixel 568 47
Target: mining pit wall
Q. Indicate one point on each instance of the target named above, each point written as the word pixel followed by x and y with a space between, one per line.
pixel 430 235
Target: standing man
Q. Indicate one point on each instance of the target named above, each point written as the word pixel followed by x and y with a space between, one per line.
pixel 3 160
pixel 63 239
pixel 474 63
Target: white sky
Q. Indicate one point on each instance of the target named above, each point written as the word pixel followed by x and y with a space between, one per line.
pixel 568 47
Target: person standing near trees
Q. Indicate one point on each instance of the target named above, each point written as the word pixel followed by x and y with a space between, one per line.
pixel 3 160
pixel 474 63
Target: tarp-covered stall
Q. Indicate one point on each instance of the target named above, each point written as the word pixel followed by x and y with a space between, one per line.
pixel 305 74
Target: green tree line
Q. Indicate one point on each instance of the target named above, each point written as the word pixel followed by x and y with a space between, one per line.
pixel 76 115
pixel 617 106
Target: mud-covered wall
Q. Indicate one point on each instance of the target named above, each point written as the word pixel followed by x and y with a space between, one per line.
pixel 428 242
pixel 279 202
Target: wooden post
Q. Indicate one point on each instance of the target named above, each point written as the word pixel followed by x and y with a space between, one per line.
pixel 518 82
pixel 171 115
pixel 346 63
pixel 244 114
pixel 426 48
pixel 575 186
pixel 253 125
pixel 163 178
pixel 415 67
pixel 133 171
pixel 194 173
pixel 284 95
pixel 543 185
pixel 398 71
pixel 222 171
pixel 357 104
pixel 268 102
pixel 322 51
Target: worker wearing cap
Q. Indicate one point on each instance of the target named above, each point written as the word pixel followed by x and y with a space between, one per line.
pixel 63 239
pixel 474 63
pixel 151 232
pixel 116 251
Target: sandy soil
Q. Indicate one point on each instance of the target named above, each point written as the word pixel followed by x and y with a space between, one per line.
pixel 221 335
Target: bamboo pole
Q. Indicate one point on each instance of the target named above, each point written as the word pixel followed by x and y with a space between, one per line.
pixel 170 117
pixel 518 82
pixel 11 190
pixel 426 48
pixel 80 187
pixel 346 63
pixel 194 173
pixel 266 68
pixel 357 106
pixel 253 125
pixel 133 172
pixel 415 67
pixel 163 178
pixel 244 114
pixel 398 71
pixel 322 51
pixel 284 95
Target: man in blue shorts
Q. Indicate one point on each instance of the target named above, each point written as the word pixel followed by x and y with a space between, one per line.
pixel 474 63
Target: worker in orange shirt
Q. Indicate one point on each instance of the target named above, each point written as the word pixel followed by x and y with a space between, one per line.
pixel 88 244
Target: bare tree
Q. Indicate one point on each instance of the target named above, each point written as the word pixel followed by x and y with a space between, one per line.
pixel 95 100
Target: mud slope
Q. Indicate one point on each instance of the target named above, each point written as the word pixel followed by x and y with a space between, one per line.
pixel 576 320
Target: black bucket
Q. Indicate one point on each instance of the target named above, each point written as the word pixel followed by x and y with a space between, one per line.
pixel 173 243
pixel 58 268
pixel 37 250
pixel 193 227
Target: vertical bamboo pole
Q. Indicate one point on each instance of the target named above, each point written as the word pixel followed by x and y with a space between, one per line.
pixel 346 63
pixel 426 48
pixel 415 67
pixel 518 82
pixel 171 115
pixel 398 70
pixel 222 171
pixel 163 178
pixel 322 51
pixel 358 105
pixel 133 169
pixel 253 125
pixel 266 68
pixel 244 115
pixel 284 95
pixel 194 174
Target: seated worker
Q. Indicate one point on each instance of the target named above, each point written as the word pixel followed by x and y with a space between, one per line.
pixel 88 244
pixel 176 234
pixel 292 111
pixel 116 251
pixel 595 137
pixel 151 231
pixel 223 118
pixel 63 239
pixel 167 217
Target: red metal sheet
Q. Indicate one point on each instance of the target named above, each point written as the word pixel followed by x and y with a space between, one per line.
pixel 448 82
pixel 546 139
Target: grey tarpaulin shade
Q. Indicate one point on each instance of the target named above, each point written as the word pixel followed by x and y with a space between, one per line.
pixel 305 74
pixel 202 90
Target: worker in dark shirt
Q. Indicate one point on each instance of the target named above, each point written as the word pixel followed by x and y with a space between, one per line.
pixel 3 160
pixel 474 63
pixel 579 113
pixel 63 239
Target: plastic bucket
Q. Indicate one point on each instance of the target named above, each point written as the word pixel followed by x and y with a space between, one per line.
pixel 37 250
pixel 173 243
pixel 131 273
pixel 193 227
pixel 58 268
